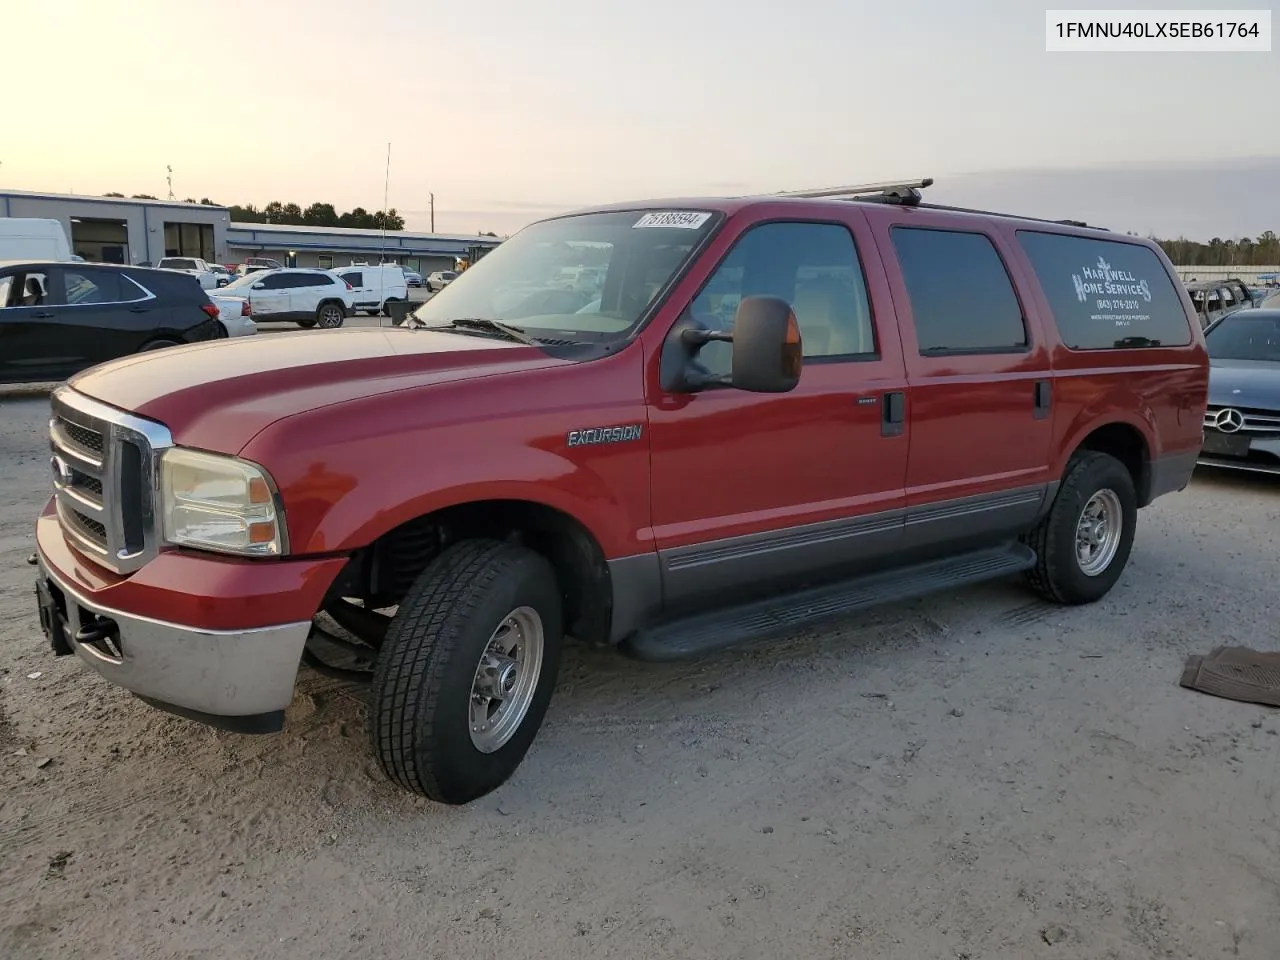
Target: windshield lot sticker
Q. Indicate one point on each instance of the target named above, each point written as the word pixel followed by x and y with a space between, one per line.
pixel 1117 295
pixel 680 219
pixel 595 435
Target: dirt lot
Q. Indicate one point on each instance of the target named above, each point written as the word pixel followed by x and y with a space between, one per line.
pixel 974 776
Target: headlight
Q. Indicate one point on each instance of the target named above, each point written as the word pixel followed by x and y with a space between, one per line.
pixel 219 503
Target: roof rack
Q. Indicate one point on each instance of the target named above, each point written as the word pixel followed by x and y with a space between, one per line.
pixel 906 192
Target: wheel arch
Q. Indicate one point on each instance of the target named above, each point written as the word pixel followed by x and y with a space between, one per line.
pixel 381 572
pixel 1127 438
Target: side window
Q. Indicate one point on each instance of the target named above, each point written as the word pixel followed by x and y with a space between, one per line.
pixel 1107 294
pixel 88 287
pixel 355 279
pixel 962 299
pixel 27 289
pixel 812 266
pixel 277 281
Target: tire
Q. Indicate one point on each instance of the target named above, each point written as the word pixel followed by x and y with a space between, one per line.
pixel 158 345
pixel 1063 573
pixel 423 709
pixel 330 315
pixel 306 324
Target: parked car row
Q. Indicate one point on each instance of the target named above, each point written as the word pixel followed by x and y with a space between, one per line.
pixel 59 317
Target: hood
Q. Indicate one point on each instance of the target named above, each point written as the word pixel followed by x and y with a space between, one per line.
pixel 219 395
pixel 1253 384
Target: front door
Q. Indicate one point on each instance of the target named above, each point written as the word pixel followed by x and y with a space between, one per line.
pixel 981 385
pixel 269 297
pixel 759 492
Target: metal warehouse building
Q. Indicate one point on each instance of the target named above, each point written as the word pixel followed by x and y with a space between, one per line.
pixel 328 247
pixel 120 230
pixel 117 230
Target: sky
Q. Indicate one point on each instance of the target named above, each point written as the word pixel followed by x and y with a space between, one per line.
pixel 511 110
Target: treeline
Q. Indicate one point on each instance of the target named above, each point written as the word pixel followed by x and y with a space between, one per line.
pixel 316 215
pixel 1244 252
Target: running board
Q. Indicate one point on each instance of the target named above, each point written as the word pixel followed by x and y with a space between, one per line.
pixel 760 619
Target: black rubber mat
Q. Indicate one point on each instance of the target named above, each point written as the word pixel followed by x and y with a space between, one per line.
pixel 1235 673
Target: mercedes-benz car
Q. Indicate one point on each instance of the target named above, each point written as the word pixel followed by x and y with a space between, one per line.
pixel 1242 421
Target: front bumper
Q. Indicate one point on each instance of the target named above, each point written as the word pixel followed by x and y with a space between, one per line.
pixel 236 679
pixel 1250 452
pixel 236 674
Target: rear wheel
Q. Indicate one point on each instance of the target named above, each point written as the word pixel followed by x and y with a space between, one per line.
pixel 466 672
pixel 330 316
pixel 1084 542
pixel 158 344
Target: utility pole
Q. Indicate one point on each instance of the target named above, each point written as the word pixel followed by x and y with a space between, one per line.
pixel 433 213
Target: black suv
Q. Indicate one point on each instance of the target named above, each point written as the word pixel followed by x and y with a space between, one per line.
pixel 57 318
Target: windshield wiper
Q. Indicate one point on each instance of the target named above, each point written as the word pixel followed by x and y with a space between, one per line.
pixel 488 326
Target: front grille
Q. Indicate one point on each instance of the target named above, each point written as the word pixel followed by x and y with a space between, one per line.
pixel 104 469
pixel 1251 420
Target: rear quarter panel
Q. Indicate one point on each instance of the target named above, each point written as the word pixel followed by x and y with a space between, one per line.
pixel 1160 391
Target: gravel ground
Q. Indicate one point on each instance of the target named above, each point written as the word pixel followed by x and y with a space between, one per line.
pixel 977 775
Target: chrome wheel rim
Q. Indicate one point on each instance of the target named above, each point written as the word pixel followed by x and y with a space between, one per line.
pixel 1098 532
pixel 506 679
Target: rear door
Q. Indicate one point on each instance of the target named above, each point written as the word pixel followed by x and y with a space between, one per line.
pixel 980 381
pixel 104 311
pixel 308 290
pixel 364 296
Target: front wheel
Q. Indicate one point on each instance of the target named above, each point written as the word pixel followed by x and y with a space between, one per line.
pixel 329 316
pixel 1083 544
pixel 466 672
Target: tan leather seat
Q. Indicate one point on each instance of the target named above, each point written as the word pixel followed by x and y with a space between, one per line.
pixel 829 319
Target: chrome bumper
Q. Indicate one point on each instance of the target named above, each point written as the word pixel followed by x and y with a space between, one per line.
pixel 239 679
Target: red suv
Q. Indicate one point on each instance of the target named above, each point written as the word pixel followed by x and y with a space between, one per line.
pixel 753 415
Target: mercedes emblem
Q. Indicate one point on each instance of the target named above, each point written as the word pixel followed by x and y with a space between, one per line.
pixel 1229 420
pixel 62 475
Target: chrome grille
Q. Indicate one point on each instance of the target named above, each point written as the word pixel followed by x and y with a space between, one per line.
pixel 104 467
pixel 1254 421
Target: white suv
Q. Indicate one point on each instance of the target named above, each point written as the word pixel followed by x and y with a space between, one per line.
pixel 310 298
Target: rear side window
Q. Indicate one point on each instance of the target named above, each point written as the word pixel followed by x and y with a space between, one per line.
pixel 355 279
pixel 93 286
pixel 961 296
pixel 1107 295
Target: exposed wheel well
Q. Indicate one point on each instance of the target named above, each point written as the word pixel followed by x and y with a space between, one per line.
pixel 381 574
pixel 1127 445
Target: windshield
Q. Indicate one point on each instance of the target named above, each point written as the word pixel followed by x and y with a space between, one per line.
pixel 587 278
pixel 174 264
pixel 1249 335
pixel 248 280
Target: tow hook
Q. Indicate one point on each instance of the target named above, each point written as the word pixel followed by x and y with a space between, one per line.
pixel 101 632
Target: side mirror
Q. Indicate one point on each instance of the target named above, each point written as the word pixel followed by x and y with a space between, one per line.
pixel 259 286
pixel 767 351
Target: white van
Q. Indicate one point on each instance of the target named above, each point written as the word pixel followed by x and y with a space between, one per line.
pixel 375 285
pixel 33 238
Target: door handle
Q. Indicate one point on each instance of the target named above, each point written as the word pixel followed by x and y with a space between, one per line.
pixel 139 309
pixel 43 314
pixel 1043 399
pixel 893 414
